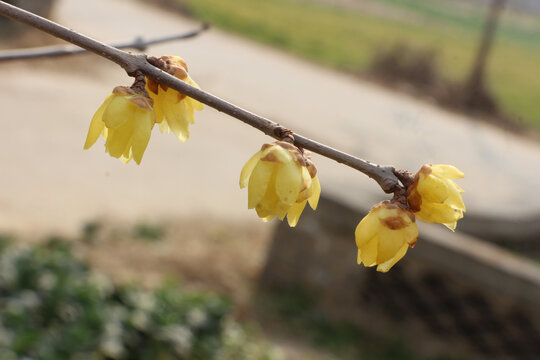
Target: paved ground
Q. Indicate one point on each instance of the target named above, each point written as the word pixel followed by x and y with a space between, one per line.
pixel 49 183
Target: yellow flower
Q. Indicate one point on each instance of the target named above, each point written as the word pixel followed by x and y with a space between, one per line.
pixel 125 120
pixel 174 111
pixel 435 197
pixel 384 235
pixel 281 179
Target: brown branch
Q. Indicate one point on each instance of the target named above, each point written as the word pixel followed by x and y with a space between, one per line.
pixel 383 175
pixel 139 43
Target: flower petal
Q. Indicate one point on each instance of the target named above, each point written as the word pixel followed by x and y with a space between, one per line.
pixel 120 109
pixel 97 124
pixel 388 265
pixel 258 182
pixel 368 252
pixel 314 199
pixel 447 171
pixel 454 196
pixel 176 119
pixel 306 190
pixel 390 241
pixel 248 169
pixel 368 227
pixel 142 129
pixel 288 182
pixel 194 103
pixel 294 213
pixel 277 154
pixel 270 204
pixel 438 213
pixel 432 188
pixel 119 139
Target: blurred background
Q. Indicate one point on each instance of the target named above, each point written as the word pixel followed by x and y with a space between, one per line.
pixel 102 260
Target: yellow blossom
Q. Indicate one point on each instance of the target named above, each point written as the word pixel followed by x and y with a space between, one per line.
pixel 281 179
pixel 435 197
pixel 125 120
pixel 174 111
pixel 384 235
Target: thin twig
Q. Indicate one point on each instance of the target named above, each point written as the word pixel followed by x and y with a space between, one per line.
pixel 139 43
pixel 383 175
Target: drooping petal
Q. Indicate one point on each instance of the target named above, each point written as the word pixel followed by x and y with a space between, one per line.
pixel 314 199
pixel 194 103
pixel 119 110
pixel 127 155
pixel 410 234
pixel 97 124
pixel 306 189
pixel 390 241
pixel 388 265
pixel 264 212
pixel 454 196
pixel 438 213
pixel 258 182
pixel 119 139
pixel 288 182
pixel 164 127
pixel 176 119
pixel 189 111
pixel 158 110
pixel 367 253
pixel 142 129
pixel 294 213
pixel 248 169
pixel 269 204
pixel 368 227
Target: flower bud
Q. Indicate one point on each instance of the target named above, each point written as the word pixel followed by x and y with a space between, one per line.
pixel 174 111
pixel 435 197
pixel 384 235
pixel 125 119
pixel 281 179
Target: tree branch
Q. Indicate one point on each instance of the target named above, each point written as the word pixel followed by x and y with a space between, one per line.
pixel 383 175
pixel 139 43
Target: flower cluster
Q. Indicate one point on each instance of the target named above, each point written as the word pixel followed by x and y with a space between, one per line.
pixel 435 197
pixel 281 179
pixel 128 115
pixel 385 234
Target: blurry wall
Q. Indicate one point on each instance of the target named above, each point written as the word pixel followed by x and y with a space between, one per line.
pixel 451 294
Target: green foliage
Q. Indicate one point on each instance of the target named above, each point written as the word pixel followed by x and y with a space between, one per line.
pixel 350 40
pixel 149 232
pixel 52 307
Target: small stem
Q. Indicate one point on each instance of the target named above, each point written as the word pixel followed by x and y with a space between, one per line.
pixel 139 85
pixel 383 175
pixel 71 36
pixel 139 43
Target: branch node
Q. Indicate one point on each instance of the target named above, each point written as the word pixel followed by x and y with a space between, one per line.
pixel 284 134
pixel 406 177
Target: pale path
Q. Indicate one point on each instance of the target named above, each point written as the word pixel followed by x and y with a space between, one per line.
pixel 49 183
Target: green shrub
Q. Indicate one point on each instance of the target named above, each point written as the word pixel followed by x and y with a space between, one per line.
pixel 52 307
